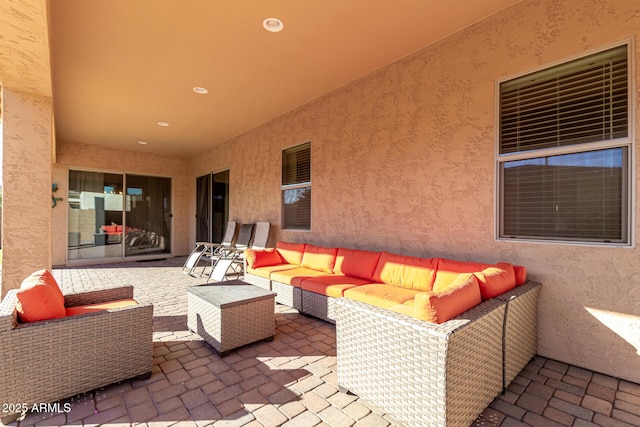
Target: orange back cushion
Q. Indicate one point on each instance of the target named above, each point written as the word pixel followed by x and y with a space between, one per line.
pixel 449 269
pixel 406 271
pixel 262 257
pixel 356 263
pixel 291 253
pixel 39 298
pixel 438 307
pixel 319 258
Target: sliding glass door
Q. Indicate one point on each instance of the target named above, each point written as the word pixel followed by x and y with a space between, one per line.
pixel 105 221
pixel 148 215
pixel 212 206
pixel 95 215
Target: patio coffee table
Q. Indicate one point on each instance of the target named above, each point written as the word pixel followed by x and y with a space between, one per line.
pixel 231 314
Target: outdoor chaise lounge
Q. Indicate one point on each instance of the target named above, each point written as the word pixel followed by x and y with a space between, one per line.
pixel 231 260
pixel 85 347
pixel 202 249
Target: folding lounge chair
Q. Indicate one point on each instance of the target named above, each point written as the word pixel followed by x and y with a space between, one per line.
pixel 206 249
pixel 233 260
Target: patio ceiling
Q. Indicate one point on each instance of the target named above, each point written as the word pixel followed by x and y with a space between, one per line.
pixel 119 67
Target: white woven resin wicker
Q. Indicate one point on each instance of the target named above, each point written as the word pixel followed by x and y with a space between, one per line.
pixel 231 314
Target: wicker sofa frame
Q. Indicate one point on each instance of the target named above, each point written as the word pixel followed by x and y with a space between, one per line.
pixel 51 360
pixel 418 372
pixel 423 373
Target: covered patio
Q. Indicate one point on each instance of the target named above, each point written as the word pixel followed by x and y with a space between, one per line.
pixel 124 124
pixel 292 381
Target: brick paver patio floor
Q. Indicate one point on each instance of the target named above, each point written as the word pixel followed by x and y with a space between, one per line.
pixel 292 381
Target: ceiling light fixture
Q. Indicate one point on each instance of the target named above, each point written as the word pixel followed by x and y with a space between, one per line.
pixel 273 25
pixel 163 124
pixel 200 90
pixel 142 142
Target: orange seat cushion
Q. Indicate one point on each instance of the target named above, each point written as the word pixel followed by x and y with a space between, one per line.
pixel 356 263
pixel 406 271
pixel 493 279
pixel 291 253
pixel 319 258
pixel 262 258
pixel 380 294
pixel 447 303
pixel 92 308
pixel 295 276
pixel 331 286
pixel 265 272
pixel 39 298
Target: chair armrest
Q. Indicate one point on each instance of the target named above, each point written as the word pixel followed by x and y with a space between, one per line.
pixel 98 296
pixel 8 317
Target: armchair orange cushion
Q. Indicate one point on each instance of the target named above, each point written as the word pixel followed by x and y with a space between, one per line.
pixel 319 258
pixel 406 271
pixel 262 258
pixel 291 252
pixel 356 263
pixel 92 308
pixel 39 298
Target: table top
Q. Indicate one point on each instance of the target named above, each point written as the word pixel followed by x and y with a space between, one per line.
pixel 230 293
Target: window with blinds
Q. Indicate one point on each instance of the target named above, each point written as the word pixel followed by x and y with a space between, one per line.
pixel 296 187
pixel 564 152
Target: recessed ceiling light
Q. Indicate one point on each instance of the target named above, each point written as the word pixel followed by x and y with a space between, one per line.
pixel 273 24
pixel 200 90
pixel 142 142
pixel 163 124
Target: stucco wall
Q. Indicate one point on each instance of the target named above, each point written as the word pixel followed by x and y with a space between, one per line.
pixel 79 156
pixel 26 189
pixel 404 159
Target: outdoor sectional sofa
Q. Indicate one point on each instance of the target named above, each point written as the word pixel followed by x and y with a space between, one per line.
pixel 430 341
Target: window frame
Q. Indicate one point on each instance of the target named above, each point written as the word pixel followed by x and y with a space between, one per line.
pixel 295 186
pixel 628 142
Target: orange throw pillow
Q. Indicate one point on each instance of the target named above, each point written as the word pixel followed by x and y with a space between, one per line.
pixel 39 298
pixel 262 258
pixel 521 274
pixel 438 307
pixel 496 280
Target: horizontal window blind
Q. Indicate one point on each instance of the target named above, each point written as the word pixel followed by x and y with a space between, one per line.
pixel 297 209
pixel 569 197
pixel 296 164
pixel 296 187
pixel 581 101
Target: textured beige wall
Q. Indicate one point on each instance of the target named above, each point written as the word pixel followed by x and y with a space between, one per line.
pixel 81 156
pixel 403 160
pixel 26 189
